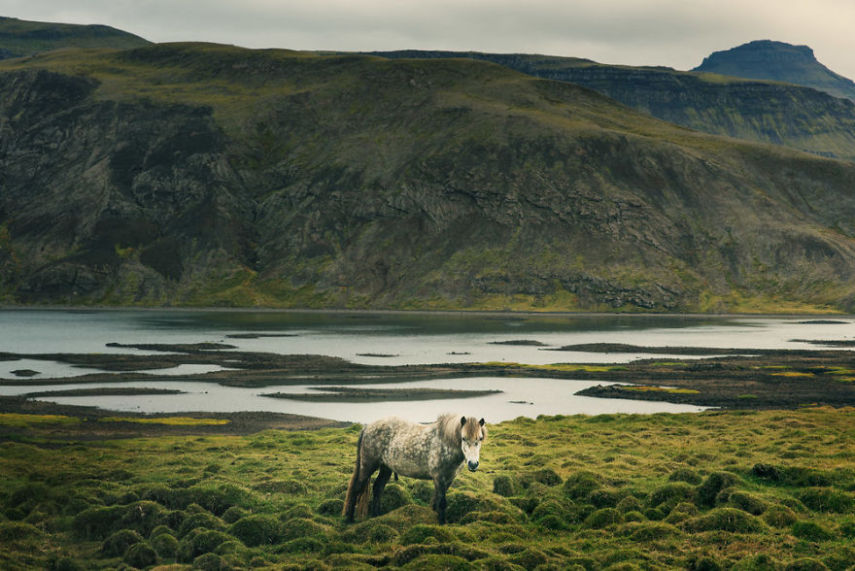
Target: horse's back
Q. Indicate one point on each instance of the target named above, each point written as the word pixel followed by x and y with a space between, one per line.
pixel 401 445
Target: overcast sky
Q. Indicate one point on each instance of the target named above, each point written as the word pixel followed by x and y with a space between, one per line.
pixel 676 33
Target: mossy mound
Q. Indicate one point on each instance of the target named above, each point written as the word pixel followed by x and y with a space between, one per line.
pixel 117 543
pixel 200 520
pixel 811 531
pixel 432 561
pixel 201 541
pixel 394 496
pixel 708 491
pixel 579 485
pixel 669 495
pixel 681 512
pixel 257 529
pixel 779 516
pixel 419 533
pixel 827 500
pixel 603 518
pixel 166 545
pixel 140 556
pixel 797 476
pixel 652 531
pixel 462 504
pixel 504 485
pixel 747 502
pixel 418 551
pixel 806 564
pixel 724 519
pixel 686 475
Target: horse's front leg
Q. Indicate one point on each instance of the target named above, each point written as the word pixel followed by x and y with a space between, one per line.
pixel 379 483
pixel 440 487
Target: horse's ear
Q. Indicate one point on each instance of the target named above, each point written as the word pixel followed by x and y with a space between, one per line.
pixel 463 421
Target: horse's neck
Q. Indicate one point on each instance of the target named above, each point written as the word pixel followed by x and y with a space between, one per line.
pixel 451 451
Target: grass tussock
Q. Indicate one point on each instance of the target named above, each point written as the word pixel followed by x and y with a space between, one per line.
pixel 618 491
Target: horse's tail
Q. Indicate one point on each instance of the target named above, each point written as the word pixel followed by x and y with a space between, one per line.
pixel 356 500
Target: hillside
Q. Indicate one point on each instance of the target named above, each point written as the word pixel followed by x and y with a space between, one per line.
pixel 761 111
pixel 192 174
pixel 24 38
pixel 778 61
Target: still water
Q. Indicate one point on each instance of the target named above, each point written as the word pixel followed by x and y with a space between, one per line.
pixel 389 339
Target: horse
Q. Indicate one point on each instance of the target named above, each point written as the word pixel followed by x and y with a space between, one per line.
pixel 434 451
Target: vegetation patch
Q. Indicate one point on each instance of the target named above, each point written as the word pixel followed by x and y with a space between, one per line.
pixel 28 420
pixel 669 390
pixel 618 491
pixel 167 420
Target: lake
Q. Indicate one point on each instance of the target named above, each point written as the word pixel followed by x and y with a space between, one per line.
pixel 385 338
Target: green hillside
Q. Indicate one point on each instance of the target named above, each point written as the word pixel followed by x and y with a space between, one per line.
pixel 24 38
pixel 755 110
pixel 197 174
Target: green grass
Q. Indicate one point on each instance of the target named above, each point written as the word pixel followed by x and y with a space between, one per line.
pixel 564 367
pixel 169 420
pixel 26 420
pixel 629 491
pixel 674 391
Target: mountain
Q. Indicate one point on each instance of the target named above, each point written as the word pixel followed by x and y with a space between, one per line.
pixel 778 61
pixel 776 113
pixel 24 38
pixel 199 174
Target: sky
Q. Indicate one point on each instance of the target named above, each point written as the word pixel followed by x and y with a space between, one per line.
pixel 674 33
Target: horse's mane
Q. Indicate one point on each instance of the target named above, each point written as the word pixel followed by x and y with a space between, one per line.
pixel 449 425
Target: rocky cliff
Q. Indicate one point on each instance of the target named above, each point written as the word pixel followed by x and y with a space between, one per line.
pixel 201 174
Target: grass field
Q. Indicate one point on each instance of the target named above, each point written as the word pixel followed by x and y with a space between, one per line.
pixel 717 490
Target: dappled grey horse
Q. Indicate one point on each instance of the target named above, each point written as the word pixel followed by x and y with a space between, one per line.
pixel 427 452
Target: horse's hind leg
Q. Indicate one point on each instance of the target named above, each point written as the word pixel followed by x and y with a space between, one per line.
pixel 356 501
pixel 357 495
pixel 379 483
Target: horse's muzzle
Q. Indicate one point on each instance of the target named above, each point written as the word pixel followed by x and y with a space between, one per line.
pixel 472 466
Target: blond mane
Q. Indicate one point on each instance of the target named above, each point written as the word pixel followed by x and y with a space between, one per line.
pixel 449 428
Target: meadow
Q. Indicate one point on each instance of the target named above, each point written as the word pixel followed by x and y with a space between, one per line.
pixel 739 490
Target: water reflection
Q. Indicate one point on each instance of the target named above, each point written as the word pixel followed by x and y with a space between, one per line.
pixel 388 339
pixel 519 397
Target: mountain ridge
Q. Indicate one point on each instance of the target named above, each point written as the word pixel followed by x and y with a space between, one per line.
pixel 769 112
pixel 20 38
pixel 199 174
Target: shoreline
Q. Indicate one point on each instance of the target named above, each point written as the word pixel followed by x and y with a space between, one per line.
pixel 421 312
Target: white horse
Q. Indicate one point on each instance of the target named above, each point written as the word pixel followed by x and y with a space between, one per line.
pixel 427 452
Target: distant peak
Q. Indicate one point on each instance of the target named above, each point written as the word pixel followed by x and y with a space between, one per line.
pixel 773 45
pixel 760 53
pixel 778 61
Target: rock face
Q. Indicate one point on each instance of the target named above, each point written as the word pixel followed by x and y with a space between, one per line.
pixel 199 174
pixel 798 117
pixel 778 61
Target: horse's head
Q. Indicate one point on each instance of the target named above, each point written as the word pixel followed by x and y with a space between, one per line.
pixel 472 434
